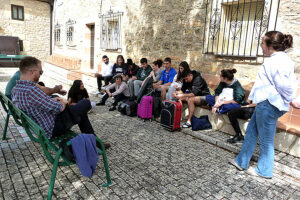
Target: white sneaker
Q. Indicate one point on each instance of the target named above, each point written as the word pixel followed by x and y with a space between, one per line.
pixel 96 93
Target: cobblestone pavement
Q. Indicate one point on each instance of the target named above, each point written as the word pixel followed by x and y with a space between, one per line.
pixel 146 162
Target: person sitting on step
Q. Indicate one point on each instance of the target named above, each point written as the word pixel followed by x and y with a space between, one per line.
pixel 119 90
pixel 105 73
pixel 229 91
pixel 166 79
pixel 244 112
pixel 134 84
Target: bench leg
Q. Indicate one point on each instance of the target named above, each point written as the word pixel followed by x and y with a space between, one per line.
pixel 106 168
pixel 5 126
pixel 53 175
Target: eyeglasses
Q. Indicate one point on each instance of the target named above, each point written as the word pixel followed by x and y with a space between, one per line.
pixel 41 72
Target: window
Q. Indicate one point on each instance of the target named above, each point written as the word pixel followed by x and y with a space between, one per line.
pixel 21 45
pixel 17 12
pixel 111 31
pixel 70 34
pixel 57 34
pixel 236 27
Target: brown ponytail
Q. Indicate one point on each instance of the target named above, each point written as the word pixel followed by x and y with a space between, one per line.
pixel 228 73
pixel 278 41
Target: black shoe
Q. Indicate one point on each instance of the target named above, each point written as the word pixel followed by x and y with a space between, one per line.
pixel 132 98
pixel 106 145
pixel 100 103
pixel 235 139
pixel 112 108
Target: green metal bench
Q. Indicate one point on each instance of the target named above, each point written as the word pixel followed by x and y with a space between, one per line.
pixel 51 148
pixel 10 60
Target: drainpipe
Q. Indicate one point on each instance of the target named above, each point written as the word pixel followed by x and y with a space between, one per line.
pixel 51 21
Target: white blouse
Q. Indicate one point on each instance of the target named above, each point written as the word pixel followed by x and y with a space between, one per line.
pixel 275 82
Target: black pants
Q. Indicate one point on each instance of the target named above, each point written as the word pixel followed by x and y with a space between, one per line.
pixel 117 98
pixel 106 79
pixel 72 115
pixel 239 113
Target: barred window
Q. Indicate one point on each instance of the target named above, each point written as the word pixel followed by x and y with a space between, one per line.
pixel 57 34
pixel 111 31
pixel 70 33
pixel 236 27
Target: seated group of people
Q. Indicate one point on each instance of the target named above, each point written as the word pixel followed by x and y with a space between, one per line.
pixel 184 85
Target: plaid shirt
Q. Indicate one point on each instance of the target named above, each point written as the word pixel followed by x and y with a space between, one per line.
pixel 36 104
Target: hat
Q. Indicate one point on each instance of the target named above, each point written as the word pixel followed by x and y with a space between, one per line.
pixel 118 76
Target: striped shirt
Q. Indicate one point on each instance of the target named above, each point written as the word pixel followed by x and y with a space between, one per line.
pixel 36 104
pixel 275 82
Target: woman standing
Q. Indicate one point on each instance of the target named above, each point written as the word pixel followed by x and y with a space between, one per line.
pixel 273 91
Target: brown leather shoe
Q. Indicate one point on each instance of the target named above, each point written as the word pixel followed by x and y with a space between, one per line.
pixel 106 145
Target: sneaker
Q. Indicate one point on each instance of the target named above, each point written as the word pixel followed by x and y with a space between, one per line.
pixel 187 125
pixel 232 162
pixel 251 171
pixel 96 93
pixel 112 108
pixel 236 138
pixel 100 103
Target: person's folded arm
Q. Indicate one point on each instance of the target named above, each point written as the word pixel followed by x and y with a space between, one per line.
pixel 120 90
pixel 40 99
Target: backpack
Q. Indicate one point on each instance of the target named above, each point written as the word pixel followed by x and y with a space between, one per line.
pixel 201 123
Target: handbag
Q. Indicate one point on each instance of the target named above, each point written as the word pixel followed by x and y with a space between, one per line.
pixel 201 123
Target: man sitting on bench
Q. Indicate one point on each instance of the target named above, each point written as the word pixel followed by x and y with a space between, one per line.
pixel 49 91
pixel 52 114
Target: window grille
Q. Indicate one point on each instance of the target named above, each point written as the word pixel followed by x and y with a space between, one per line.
pixel 17 12
pixel 57 34
pixel 236 27
pixel 110 33
pixel 70 32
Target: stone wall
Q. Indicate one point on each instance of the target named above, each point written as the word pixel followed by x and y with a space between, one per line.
pixel 174 28
pixel 34 30
pixel 160 28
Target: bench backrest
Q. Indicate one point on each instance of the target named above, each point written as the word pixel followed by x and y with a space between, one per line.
pixel 34 131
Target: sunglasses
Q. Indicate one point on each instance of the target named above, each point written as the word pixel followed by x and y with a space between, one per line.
pixel 41 72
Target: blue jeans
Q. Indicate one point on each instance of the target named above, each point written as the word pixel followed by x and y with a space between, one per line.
pixel 262 126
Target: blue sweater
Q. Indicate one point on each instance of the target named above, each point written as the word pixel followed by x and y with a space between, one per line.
pixel 85 152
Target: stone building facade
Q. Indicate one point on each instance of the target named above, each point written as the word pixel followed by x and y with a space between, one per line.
pixel 156 29
pixel 33 30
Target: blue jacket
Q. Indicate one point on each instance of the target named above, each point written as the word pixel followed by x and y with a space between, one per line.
pixel 85 152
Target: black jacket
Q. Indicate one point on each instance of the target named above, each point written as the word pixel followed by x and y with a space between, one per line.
pixel 133 71
pixel 119 69
pixel 197 86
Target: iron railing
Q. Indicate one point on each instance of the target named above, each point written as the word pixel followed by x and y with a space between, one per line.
pixel 110 33
pixel 236 27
